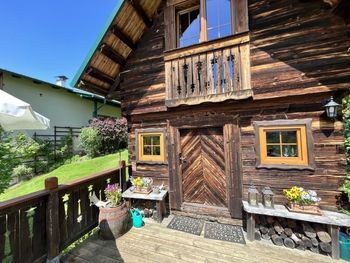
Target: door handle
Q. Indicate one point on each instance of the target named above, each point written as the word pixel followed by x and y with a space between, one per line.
pixel 182 159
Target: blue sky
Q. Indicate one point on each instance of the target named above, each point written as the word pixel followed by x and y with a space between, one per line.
pixel 46 38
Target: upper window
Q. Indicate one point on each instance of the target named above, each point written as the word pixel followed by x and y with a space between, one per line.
pixel 286 144
pixel 218 18
pixel 150 146
pixel 188 27
pixel 198 23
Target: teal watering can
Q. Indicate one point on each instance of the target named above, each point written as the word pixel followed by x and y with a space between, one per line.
pixel 136 217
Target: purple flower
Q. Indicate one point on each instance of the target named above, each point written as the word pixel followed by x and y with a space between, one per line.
pixel 112 188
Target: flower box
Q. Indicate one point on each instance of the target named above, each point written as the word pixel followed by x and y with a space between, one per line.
pixel 143 190
pixel 306 209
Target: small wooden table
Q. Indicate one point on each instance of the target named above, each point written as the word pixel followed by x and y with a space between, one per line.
pixel 334 220
pixel 158 198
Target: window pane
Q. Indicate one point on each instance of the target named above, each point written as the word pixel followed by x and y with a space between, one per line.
pixel 147 140
pixel 273 151
pixel 290 150
pixel 156 150
pixel 218 18
pixel 273 137
pixel 189 28
pixel 289 136
pixel 156 140
pixel 147 150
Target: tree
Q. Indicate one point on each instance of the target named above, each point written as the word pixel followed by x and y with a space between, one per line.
pixel 14 149
pixel 7 160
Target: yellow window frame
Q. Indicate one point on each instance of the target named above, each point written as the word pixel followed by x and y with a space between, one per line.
pixel 301 159
pixel 150 158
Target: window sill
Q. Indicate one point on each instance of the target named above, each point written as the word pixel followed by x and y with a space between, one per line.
pixel 218 43
pixel 285 167
pixel 214 98
pixel 151 162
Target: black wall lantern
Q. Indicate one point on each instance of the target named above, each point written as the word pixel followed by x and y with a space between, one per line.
pixel 331 108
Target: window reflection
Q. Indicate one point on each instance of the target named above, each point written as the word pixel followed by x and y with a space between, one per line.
pixel 218 18
pixel 281 143
pixel 151 145
pixel 189 27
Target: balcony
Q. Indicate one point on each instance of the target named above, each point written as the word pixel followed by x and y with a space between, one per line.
pixel 213 71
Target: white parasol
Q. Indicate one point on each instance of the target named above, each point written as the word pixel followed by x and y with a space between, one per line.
pixel 16 114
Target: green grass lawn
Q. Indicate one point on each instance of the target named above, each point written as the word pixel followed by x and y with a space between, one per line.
pixel 66 173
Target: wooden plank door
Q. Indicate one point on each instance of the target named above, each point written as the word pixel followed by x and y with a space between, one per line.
pixel 203 167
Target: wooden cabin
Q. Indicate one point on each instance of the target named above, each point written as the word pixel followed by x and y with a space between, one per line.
pixel 222 94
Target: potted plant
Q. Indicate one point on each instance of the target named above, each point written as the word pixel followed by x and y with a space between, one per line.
pixel 302 201
pixel 137 183
pixel 114 217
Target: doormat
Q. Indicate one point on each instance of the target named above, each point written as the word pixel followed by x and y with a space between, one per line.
pixel 224 232
pixel 186 224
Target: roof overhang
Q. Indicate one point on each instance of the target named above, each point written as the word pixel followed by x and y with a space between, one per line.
pixel 101 69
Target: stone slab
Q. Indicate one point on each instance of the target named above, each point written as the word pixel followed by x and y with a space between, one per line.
pixel 327 217
pixel 151 196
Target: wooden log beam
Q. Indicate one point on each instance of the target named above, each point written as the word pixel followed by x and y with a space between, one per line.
pixel 114 87
pixel 123 37
pixel 97 74
pixel 112 54
pixel 141 13
pixel 87 85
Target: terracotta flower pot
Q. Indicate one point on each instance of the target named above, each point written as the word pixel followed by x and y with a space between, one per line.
pixel 114 221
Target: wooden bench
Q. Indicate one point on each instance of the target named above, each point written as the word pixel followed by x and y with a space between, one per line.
pixel 158 198
pixel 334 221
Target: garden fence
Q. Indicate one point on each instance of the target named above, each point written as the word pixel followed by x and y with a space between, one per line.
pixel 54 142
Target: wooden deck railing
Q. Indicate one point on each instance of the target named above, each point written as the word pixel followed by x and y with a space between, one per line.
pixel 208 72
pixel 38 226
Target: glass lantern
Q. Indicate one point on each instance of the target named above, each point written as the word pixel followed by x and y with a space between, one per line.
pixel 331 109
pixel 268 198
pixel 253 195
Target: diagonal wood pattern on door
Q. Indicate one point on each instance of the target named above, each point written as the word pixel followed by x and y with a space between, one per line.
pixel 203 167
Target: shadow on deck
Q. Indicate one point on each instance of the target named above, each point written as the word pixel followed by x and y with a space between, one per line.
pixel 156 243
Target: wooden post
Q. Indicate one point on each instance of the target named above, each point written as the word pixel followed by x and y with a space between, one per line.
pixel 334 233
pixel 130 171
pixel 52 221
pixel 35 157
pixel 122 175
pixel 55 143
pixel 203 27
pixel 251 227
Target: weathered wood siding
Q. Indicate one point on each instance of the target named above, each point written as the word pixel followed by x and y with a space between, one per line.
pixel 143 80
pixel 297 48
pixel 330 161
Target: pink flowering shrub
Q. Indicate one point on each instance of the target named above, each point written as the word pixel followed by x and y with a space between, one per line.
pixel 114 133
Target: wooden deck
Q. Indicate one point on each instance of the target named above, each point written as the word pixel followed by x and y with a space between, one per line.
pixel 156 243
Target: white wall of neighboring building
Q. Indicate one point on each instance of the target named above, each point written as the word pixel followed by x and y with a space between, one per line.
pixel 62 107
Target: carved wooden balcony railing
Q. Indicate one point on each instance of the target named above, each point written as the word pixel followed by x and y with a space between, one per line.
pixel 209 72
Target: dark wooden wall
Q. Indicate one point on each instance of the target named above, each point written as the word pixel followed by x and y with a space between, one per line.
pixel 297 48
pixel 143 83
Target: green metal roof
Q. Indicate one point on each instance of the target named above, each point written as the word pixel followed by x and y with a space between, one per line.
pixel 87 59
